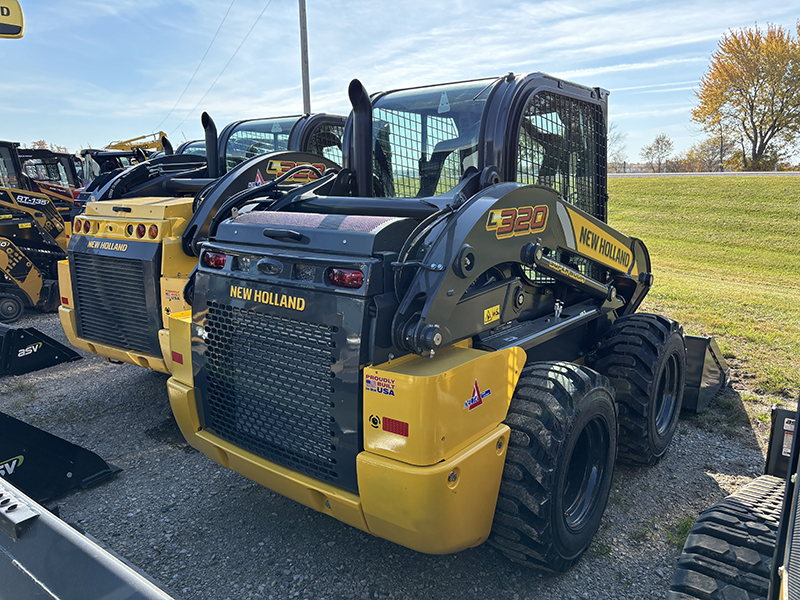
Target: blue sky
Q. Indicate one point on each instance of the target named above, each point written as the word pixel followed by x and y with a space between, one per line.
pixel 91 71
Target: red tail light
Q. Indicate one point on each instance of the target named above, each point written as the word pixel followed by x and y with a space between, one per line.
pixel 215 260
pixel 86 226
pixel 349 278
pixel 77 226
pixel 140 230
pixel 153 232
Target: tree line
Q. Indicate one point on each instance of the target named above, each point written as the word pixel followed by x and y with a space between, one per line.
pixel 748 105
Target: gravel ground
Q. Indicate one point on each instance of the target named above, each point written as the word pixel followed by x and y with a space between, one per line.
pixel 207 533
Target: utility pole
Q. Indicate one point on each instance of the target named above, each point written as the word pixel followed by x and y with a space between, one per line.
pixel 304 58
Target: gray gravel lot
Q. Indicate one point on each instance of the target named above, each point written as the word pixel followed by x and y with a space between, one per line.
pixel 205 532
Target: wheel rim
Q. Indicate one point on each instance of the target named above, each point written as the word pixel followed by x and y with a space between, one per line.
pixel 585 475
pixel 9 308
pixel 667 394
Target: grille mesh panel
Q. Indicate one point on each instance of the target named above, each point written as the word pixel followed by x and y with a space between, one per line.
pixel 269 387
pixel 112 310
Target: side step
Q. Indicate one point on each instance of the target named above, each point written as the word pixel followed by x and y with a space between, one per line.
pixel 706 372
pixel 45 466
pixel 43 557
pixel 25 349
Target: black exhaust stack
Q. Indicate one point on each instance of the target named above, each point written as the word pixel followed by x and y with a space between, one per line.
pixel 362 138
pixel 212 149
pixel 165 143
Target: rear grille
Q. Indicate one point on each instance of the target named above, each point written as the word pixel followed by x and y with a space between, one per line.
pixel 111 301
pixel 269 387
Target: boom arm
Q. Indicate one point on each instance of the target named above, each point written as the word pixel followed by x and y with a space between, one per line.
pixel 472 267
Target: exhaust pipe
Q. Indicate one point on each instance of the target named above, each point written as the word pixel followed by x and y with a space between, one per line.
pixel 167 146
pixel 212 149
pixel 362 138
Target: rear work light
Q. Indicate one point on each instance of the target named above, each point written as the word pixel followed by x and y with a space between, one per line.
pixel 348 278
pixel 153 232
pixel 215 260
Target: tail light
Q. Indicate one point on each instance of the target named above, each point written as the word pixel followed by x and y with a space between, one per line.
pixel 153 232
pixel 86 226
pixel 77 226
pixel 140 230
pixel 347 278
pixel 215 260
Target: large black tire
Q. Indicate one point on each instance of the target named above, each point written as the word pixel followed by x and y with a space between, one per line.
pixel 559 466
pixel 729 551
pixel 644 357
pixel 11 308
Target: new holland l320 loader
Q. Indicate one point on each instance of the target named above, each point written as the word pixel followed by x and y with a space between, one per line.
pixel 438 344
pixel 130 257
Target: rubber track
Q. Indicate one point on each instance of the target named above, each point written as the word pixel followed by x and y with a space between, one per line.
pixel 728 554
pixel 539 416
pixel 627 356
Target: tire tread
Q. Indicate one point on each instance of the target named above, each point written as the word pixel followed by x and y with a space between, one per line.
pixel 540 416
pixel 728 553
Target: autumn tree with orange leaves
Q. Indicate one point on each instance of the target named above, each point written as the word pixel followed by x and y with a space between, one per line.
pixel 751 92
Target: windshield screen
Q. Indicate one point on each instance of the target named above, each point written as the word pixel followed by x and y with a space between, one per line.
pixel 8 175
pixel 425 138
pixel 196 148
pixel 47 170
pixel 252 138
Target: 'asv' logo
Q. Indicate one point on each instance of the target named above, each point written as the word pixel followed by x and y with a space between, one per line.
pixel 28 350
pixel 7 467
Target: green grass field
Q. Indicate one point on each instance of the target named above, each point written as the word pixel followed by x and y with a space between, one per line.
pixel 725 253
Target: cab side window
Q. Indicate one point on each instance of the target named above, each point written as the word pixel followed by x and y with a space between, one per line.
pixel 562 146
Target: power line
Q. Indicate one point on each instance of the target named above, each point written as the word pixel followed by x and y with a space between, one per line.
pixel 225 67
pixel 198 67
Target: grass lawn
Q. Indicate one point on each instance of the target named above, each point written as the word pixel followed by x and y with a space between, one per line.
pixel 725 253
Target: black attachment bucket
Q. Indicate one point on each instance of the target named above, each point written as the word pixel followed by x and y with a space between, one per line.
pixel 45 466
pixel 707 372
pixel 25 349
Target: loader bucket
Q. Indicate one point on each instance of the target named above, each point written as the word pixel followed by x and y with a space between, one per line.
pixel 45 466
pixel 41 556
pixel 706 372
pixel 25 349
